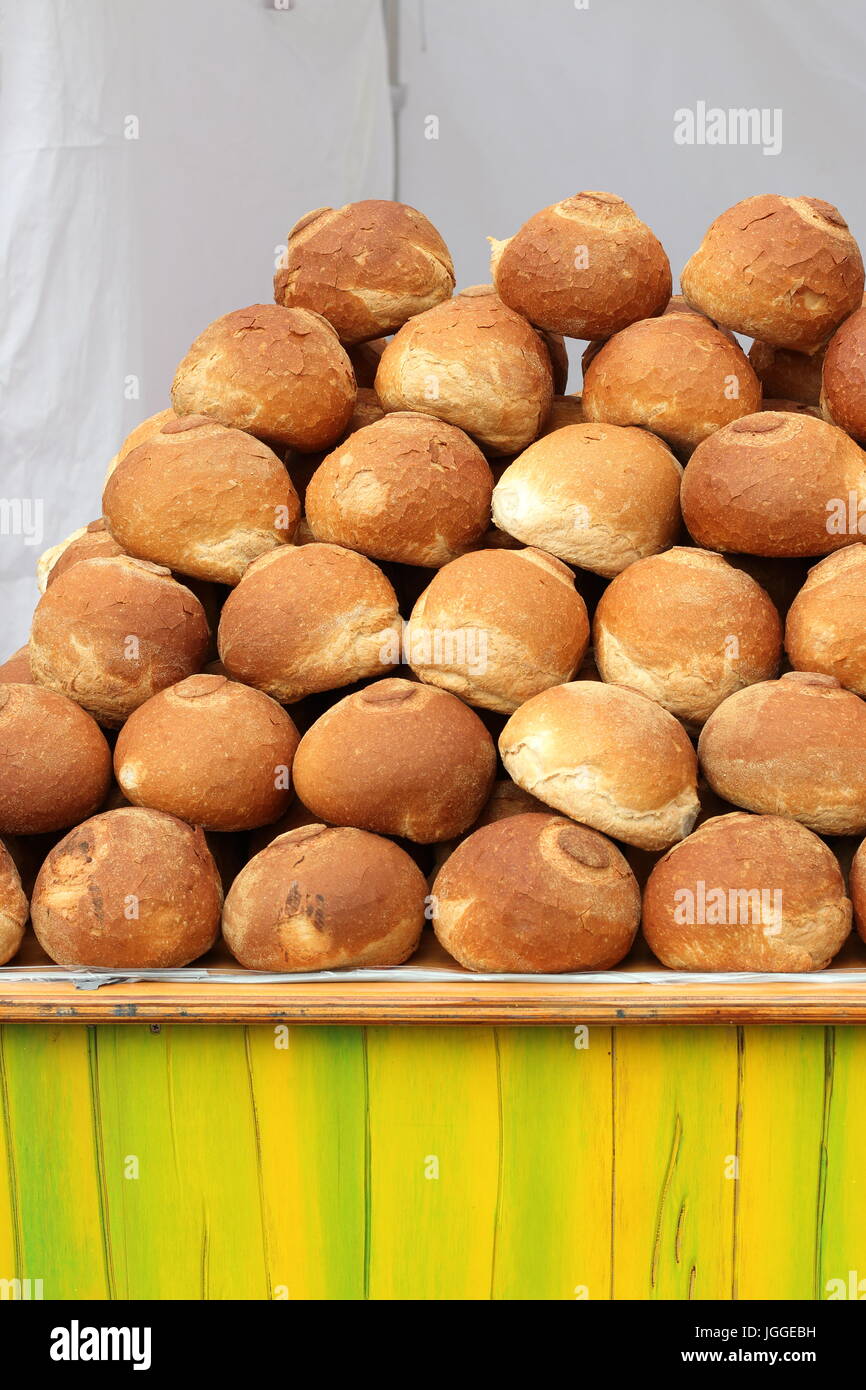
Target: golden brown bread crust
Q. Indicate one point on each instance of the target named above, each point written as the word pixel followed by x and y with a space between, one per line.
pixel 475 363
pixel 364 358
pixel 564 410
pixel 409 488
pixel 366 267
pixel 16 668
pixel 843 382
pixel 783 270
pixel 585 267
pixel 687 629
pixel 826 626
pixel 301 467
pixel 55 765
pixel 210 751
pixel 152 425
pixel 110 633
pixel 857 889
pixel 307 618
pixel 202 499
pixel 597 496
pixel 498 626
pixel 279 374
pixel 747 893
pixel 536 893
pixel 399 758
pixel 608 757
pixel 677 375
pixel 771 485
pixel 791 747
pixel 91 542
pixel 320 898
pixel 787 375
pixel 130 889
pixel 14 907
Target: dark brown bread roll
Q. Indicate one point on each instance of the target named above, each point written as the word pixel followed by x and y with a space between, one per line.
pixel 787 375
pixel 55 765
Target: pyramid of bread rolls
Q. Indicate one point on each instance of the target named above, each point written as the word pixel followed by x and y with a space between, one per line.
pixel 380 629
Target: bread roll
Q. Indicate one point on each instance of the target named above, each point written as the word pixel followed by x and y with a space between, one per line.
pixel 791 747
pixel 507 799
pixel 55 760
pixel 16 668
pixel 14 907
pixel 398 758
pixel 775 484
pixel 826 627
pixel 497 627
pixel 320 898
pixel 408 488
pixel 783 270
pixel 130 889
pixel 91 542
pixel 279 374
pixel 747 893
pixel 211 751
pixel 301 467
pixel 608 757
pixel 843 382
pixel 687 629
pixel 585 267
pixel 857 889
pixel 564 410
pixel 474 363
pixel 366 267
pixel 202 499
pixel 308 618
pixel 598 496
pixel 787 375
pixel 149 427
pixel 110 633
pixel 678 376
pixel 536 894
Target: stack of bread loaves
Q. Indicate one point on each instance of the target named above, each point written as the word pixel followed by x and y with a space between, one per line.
pixel 379 626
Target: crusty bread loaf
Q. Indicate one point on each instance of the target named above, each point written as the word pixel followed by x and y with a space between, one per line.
pixel 210 751
pixel 535 893
pixel 774 484
pixel 366 267
pixel 843 380
pixel 687 629
pixel 585 267
pixel 475 363
pixel 55 760
pixel 16 668
pixel 498 626
pixel 399 758
pixel 202 499
pixel 677 375
pixel 747 893
pixel 14 907
pixel 788 375
pixel 324 898
pixel 783 270
pixel 279 374
pixel 598 496
pixel 152 425
pixel 826 626
pixel 130 889
pixel 409 488
pixel 91 542
pixel 791 747
pixel 857 889
pixel 608 757
pixel 308 618
pixel 110 633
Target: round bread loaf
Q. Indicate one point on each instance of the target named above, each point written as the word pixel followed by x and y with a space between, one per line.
pixel 211 751
pixel 826 626
pixel 152 425
pixel 320 898
pixel 786 271
pixel 279 374
pixel 399 758
pixel 585 267
pixel 791 747
pixel 843 382
pixel 408 488
pixel 202 499
pixel 14 907
pixel 91 542
pixel 608 757
pixel 598 496
pixel 301 467
pixel 775 484
pixel 55 765
pixel 130 889
pixel 747 893
pixel 687 629
pixel 564 410
pixel 308 618
pixel 497 627
pixel 110 633
pixel 15 670
pixel 536 894
pixel 788 375
pixel 857 889
pixel 677 375
pixel 474 363
pixel 366 267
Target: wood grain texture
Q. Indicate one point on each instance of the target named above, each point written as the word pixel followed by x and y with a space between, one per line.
pixel 841 1253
